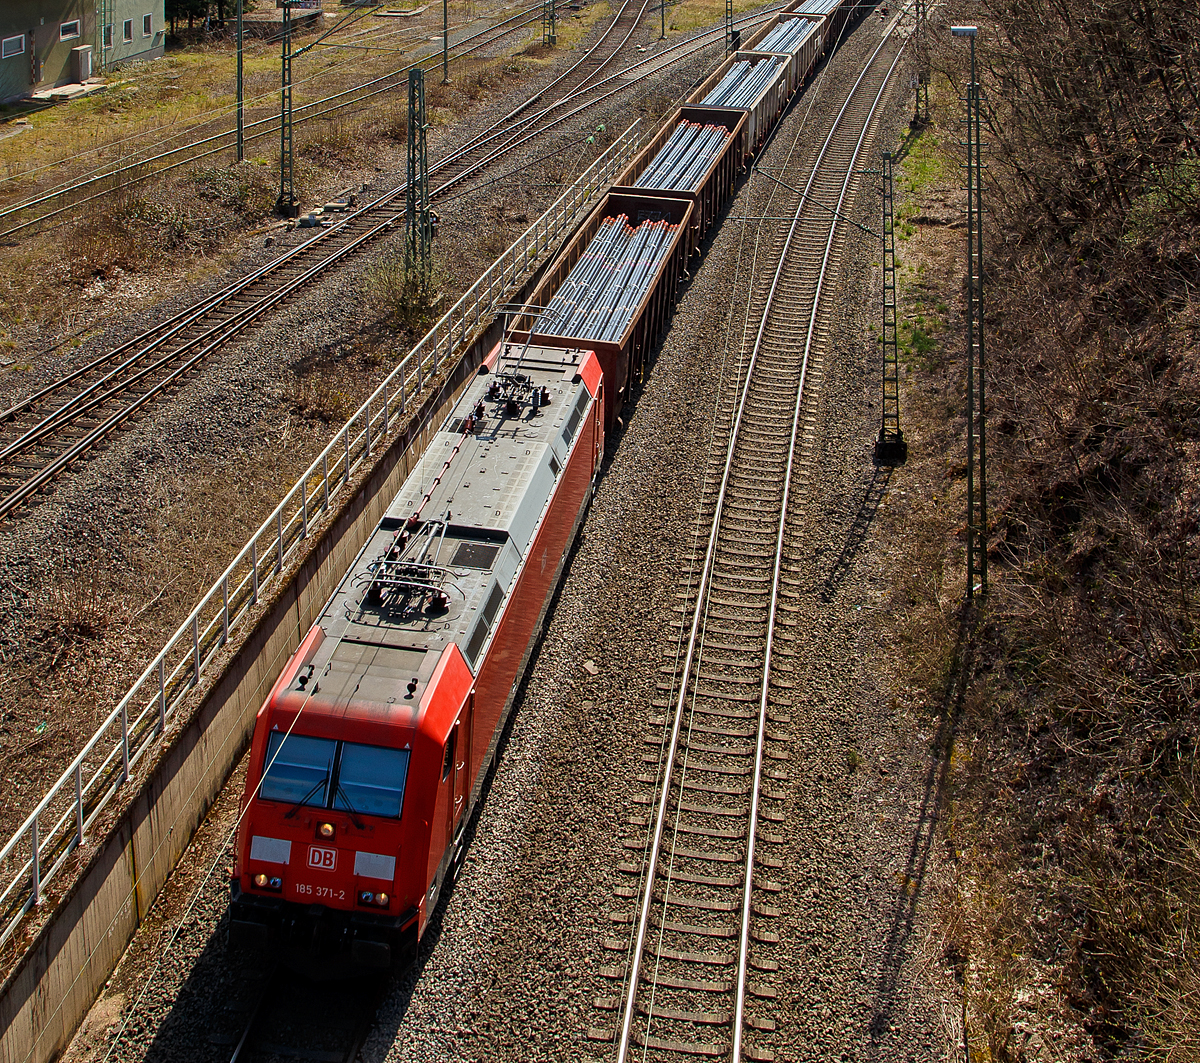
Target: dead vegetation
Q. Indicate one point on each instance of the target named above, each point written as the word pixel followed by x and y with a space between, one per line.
pixel 329 384
pixel 1071 811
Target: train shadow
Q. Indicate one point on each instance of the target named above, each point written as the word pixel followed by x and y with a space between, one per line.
pixel 903 917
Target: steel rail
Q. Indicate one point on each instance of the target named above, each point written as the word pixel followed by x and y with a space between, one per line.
pixel 274 118
pixel 702 590
pixel 214 114
pixel 73 803
pixel 744 939
pixel 224 330
pixel 76 407
pixel 693 44
pixel 274 997
pixel 190 316
pixel 497 132
pixel 170 326
pixel 101 172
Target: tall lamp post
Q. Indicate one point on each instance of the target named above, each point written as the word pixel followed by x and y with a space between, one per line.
pixel 977 523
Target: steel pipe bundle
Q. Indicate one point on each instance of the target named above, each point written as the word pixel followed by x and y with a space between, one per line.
pixel 816 7
pixel 787 36
pixel 602 293
pixel 685 158
pixel 743 83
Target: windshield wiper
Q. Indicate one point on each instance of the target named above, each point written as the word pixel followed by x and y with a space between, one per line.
pixel 319 784
pixel 349 807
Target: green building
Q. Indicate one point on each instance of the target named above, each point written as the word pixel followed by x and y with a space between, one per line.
pixel 46 43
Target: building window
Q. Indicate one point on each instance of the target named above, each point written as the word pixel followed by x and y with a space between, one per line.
pixel 145 25
pixel 68 31
pixel 127 31
pixel 108 36
pixel 13 46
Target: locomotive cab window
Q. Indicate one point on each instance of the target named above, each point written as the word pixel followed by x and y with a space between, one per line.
pixel 370 780
pixel 448 755
pixel 298 769
pixel 325 773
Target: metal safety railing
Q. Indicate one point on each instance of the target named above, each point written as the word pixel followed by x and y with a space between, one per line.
pixel 42 844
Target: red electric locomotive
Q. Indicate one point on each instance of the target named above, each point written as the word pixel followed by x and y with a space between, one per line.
pixel 372 748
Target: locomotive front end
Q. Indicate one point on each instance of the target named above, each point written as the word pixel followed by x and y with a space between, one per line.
pixel 334 839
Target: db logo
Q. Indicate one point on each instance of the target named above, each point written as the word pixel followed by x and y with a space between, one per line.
pixel 325 859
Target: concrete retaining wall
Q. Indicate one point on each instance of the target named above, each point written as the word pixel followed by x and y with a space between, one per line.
pixel 48 993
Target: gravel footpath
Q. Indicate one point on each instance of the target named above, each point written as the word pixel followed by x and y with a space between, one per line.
pixel 513 965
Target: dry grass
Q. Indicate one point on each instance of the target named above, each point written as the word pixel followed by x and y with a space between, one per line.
pixel 176 228
pixel 688 16
pixel 1070 899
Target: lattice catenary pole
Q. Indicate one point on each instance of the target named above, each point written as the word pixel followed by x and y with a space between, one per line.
pixel 418 240
pixel 241 99
pixel 890 447
pixel 977 519
pixel 286 204
pixel 921 50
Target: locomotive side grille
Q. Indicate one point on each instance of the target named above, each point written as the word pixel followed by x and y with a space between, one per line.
pixel 479 635
pixel 493 604
pixel 576 415
pixel 476 641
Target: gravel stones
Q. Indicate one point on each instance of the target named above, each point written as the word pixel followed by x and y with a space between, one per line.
pixel 523 956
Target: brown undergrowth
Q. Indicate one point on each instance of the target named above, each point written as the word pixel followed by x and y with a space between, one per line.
pixel 1070 898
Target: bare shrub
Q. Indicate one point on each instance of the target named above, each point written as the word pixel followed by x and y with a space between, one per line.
pixel 392 120
pixel 336 142
pixel 395 295
pixel 242 187
pixel 78 603
pixel 323 395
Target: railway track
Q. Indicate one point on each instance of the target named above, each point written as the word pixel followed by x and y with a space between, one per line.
pixel 49 431
pixel 108 179
pixel 698 978
pixel 293 1017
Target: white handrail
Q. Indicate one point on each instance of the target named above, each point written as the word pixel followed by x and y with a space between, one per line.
pixel 85 787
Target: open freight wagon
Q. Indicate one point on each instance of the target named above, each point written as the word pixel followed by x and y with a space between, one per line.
pixel 623 340
pixel 757 83
pixel 797 37
pixel 689 157
pixel 833 13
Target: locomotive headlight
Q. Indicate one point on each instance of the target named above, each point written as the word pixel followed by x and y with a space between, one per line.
pixel 381 899
pixel 261 880
pixel 276 883
pixel 366 897
pixel 325 830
